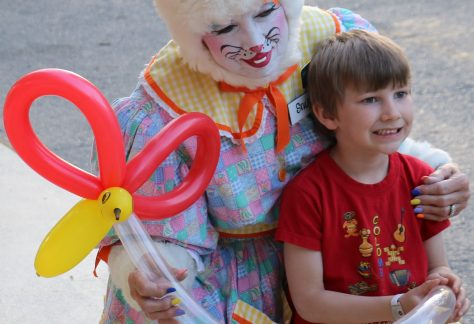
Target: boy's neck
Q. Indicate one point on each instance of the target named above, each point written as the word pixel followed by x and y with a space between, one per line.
pixel 363 167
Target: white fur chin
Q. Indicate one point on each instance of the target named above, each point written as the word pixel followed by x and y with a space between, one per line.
pixel 424 151
pixel 120 267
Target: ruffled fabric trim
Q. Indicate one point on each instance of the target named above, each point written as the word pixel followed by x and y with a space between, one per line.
pixel 225 133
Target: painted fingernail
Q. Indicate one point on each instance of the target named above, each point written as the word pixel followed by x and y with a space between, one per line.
pixel 415 201
pixel 416 192
pixel 170 290
pixel 182 272
pixel 179 312
pixel 175 301
pixel 418 210
pixel 420 215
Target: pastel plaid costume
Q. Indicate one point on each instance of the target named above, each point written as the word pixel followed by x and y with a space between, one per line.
pixel 230 227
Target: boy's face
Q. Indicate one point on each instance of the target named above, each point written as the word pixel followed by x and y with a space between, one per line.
pixel 374 122
pixel 253 44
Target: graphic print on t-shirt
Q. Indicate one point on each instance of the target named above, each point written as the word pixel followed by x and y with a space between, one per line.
pixel 385 256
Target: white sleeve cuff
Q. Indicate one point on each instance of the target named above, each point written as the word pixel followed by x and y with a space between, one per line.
pixel 425 151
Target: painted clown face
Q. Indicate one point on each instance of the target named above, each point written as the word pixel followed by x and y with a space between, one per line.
pixel 252 45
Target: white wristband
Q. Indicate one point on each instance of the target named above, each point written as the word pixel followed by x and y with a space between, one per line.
pixel 397 310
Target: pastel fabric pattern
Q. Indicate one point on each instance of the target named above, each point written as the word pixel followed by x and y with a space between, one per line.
pixel 242 195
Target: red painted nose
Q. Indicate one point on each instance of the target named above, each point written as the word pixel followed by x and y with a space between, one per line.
pixel 256 49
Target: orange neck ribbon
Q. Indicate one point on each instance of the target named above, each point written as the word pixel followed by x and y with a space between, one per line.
pixel 255 96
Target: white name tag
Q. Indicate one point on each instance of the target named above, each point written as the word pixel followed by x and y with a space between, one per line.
pixel 299 108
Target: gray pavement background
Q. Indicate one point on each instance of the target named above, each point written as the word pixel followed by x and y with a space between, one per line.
pixel 30 207
pixel 109 42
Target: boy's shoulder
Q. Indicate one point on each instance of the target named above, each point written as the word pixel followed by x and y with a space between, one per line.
pixel 412 167
pixel 412 161
pixel 314 171
pixel 425 151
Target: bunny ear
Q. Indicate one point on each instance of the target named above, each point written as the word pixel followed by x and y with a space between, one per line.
pixel 96 109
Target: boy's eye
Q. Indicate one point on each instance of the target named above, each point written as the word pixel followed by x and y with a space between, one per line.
pixel 369 100
pixel 401 94
pixel 224 30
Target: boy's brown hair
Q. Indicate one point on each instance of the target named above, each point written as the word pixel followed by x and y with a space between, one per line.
pixel 363 60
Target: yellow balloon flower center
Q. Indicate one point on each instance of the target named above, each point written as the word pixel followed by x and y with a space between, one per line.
pixel 116 203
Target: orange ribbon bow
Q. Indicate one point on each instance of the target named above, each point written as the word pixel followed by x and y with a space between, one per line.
pixel 255 96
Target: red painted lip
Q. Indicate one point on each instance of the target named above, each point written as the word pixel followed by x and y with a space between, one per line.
pixel 259 60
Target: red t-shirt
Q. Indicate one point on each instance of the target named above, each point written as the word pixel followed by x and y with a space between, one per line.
pixel 369 237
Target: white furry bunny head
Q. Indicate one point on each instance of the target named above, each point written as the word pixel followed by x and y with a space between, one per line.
pixel 189 20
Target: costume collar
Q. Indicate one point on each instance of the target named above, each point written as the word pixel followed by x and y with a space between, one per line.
pixel 179 89
pixel 254 97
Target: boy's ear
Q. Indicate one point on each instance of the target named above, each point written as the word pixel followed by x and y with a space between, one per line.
pixel 328 122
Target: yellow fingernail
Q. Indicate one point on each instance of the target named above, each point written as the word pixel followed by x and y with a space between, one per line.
pixel 420 215
pixel 415 201
pixel 175 301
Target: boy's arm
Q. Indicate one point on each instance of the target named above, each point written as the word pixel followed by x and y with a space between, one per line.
pixel 438 267
pixel 434 247
pixel 438 262
pixel 304 270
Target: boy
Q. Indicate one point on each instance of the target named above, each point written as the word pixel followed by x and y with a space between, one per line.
pixel 354 250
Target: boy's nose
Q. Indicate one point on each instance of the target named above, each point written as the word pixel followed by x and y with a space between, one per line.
pixel 390 110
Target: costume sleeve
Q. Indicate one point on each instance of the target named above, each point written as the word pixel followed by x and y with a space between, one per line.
pixel 299 218
pixel 180 239
pixel 140 118
pixel 424 151
pixel 350 20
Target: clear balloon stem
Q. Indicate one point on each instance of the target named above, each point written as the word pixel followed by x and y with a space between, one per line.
pixel 147 259
pixel 437 307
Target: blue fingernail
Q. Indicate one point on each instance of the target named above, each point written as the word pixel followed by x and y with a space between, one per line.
pixel 418 210
pixel 416 192
pixel 170 290
pixel 179 312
